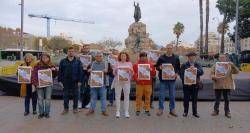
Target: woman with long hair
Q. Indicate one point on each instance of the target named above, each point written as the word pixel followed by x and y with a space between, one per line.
pixel 44 93
pixel 26 89
pixel 126 66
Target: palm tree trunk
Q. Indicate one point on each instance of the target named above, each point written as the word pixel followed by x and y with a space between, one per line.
pixel 222 46
pixel 207 22
pixel 201 27
pixel 177 43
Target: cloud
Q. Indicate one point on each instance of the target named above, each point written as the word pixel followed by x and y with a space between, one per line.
pixel 112 18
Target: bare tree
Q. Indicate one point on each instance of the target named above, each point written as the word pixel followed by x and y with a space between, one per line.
pixel 110 43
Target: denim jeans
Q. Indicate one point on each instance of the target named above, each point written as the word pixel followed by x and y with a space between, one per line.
pixel 94 95
pixel 111 91
pixel 170 86
pixel 30 95
pixel 73 88
pixel 44 99
pixel 84 95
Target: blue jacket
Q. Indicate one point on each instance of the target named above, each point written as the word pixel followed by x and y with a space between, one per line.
pixel 186 65
pixel 77 70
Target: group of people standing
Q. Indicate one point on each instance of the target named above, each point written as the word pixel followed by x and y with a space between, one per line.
pixel 74 77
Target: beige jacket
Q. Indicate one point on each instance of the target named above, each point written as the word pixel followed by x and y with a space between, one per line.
pixel 227 82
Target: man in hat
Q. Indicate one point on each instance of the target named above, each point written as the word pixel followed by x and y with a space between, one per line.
pixel 191 90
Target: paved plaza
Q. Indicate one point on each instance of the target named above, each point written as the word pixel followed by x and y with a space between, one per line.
pixel 13 121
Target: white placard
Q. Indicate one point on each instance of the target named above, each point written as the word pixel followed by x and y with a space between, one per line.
pixel 45 78
pixel 190 76
pixel 24 74
pixel 221 69
pixel 144 72
pixel 96 79
pixel 86 60
pixel 123 74
pixel 168 71
pixel 112 59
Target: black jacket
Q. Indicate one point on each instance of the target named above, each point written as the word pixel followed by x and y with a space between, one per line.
pixel 174 60
pixel 77 70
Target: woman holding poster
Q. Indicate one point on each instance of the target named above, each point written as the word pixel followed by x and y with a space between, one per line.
pixel 24 72
pixel 190 74
pixel 123 72
pixel 42 80
pixel 223 83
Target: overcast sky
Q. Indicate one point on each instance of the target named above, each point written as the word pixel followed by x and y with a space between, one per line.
pixel 112 18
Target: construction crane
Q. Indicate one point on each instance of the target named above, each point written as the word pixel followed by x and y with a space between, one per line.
pixel 48 18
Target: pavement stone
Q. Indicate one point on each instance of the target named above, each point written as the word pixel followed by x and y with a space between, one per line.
pixel 13 121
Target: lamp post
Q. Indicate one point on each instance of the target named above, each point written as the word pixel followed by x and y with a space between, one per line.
pixel 237 44
pixel 21 34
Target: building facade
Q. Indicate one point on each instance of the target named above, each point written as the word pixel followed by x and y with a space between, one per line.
pixel 229 46
pixel 245 44
pixel 213 43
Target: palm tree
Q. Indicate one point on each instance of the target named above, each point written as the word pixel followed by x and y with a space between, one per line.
pixel 207 22
pixel 201 26
pixel 222 29
pixel 178 30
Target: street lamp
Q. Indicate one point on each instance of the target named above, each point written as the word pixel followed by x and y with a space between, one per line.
pixel 21 34
pixel 237 45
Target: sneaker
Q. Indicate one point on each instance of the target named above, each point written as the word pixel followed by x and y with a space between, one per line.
pixel 160 112
pixel 127 114
pixel 46 116
pixel 26 113
pixel 87 106
pixel 40 116
pixel 104 113
pixel 147 113
pixel 185 114
pixel 137 113
pixel 228 115
pixel 65 111
pixel 75 111
pixel 173 113
pixel 90 112
pixel 117 114
pixel 215 113
pixel 110 105
pixel 196 115
pixel 79 105
pixel 34 112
